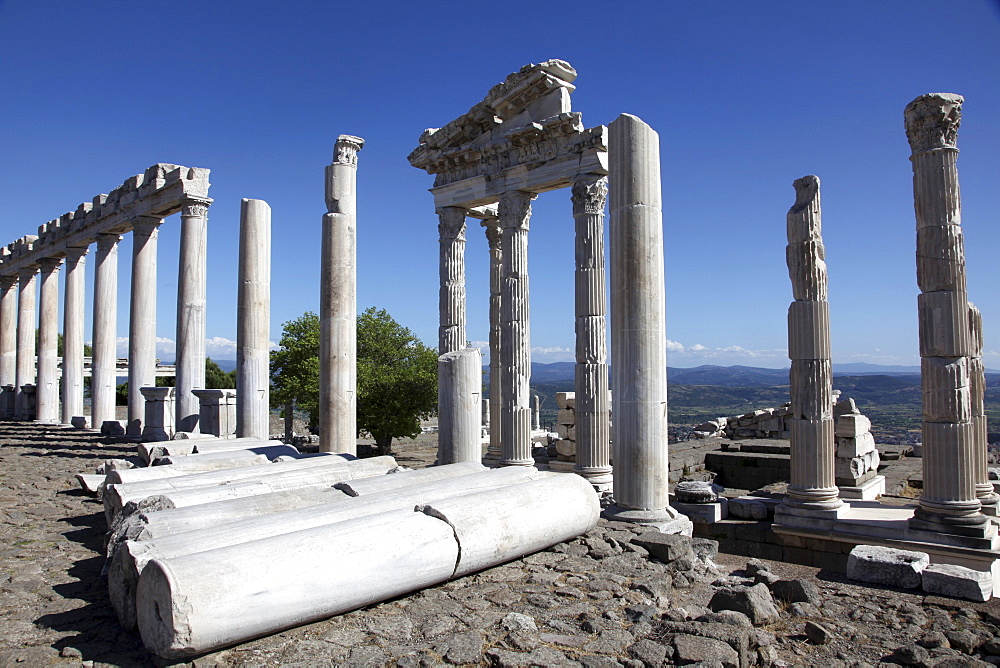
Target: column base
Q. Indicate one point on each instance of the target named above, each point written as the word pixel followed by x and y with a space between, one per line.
pixel 517 462
pixel 794 515
pixel 990 503
pixel 867 491
pixel 596 475
pixel 666 520
pixel 973 525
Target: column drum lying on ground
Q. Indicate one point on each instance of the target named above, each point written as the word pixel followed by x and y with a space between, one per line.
pixel 240 458
pixel 150 452
pixel 272 452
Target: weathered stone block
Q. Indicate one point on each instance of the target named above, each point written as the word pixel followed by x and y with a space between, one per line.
pixel 755 602
pixel 944 324
pixel 940 258
pixel 957 581
pixel 853 425
pixel 746 508
pixel 566 399
pixel 665 547
pixel 855 446
pixel 946 390
pixel 566 416
pixel 887 566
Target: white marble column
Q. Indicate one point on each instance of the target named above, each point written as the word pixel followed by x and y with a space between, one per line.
pixel 813 446
pixel 189 359
pixel 8 329
pixel 74 304
pixel 948 503
pixel 977 393
pixel 338 303
pixel 142 320
pixel 514 212
pixel 253 328
pixel 493 450
pixel 638 325
pixel 102 367
pixel 47 384
pixel 26 318
pixel 451 294
pixel 593 419
pixel 460 378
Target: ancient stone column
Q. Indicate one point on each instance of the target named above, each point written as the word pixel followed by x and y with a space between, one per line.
pixel 977 394
pixel 104 363
pixel 813 445
pixel 142 319
pixel 189 359
pixel 451 294
pixel 253 329
pixel 638 324
pixel 8 329
pixel 593 427
pixel 493 234
pixel 338 315
pixel 514 213
pixel 47 385
pixel 26 318
pixel 460 382
pixel 74 302
pixel 948 502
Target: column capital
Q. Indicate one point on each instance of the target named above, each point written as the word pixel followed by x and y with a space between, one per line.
pixel 145 225
pixel 451 223
pixel 589 194
pixel 28 272
pixel 107 240
pixel 493 234
pixel 50 263
pixel 195 207
pixel 8 281
pixel 74 253
pixel 345 150
pixel 932 122
pixel 514 209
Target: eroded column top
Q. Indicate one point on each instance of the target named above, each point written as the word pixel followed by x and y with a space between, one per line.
pixel 932 121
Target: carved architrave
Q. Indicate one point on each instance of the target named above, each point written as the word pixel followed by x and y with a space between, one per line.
pixel 932 121
pixel 589 195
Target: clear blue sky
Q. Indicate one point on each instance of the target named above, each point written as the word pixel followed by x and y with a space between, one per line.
pixel 746 96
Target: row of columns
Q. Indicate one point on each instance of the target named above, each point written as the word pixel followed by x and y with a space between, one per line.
pixel 18 352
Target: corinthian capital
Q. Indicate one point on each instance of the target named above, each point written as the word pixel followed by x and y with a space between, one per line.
pixel 451 222
pixel 345 149
pixel 493 236
pixel 932 121
pixel 197 208
pixel 589 194
pixel 514 209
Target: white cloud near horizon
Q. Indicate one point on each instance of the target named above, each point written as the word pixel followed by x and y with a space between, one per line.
pixel 216 347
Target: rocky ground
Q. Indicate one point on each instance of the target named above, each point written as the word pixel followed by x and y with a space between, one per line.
pixel 616 597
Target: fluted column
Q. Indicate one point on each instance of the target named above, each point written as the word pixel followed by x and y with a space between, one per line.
pixel 105 357
pixel 26 319
pixel 142 320
pixel 451 294
pixel 514 213
pixel 948 502
pixel 977 394
pixel 74 302
pixel 253 328
pixel 338 303
pixel 638 324
pixel 47 384
pixel 8 329
pixel 593 427
pixel 813 447
pixel 189 359
pixel 492 225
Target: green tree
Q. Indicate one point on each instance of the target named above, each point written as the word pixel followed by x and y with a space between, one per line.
pixel 216 378
pixel 397 379
pixel 295 366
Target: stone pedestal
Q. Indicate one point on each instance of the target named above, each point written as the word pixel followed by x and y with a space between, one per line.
pixel 593 427
pixel 73 326
pixel 102 369
pixel 217 412
pixel 8 330
pixel 812 490
pixel 460 381
pixel 949 503
pixel 7 401
pixel 514 212
pixel 28 397
pixel 159 417
pixel 338 303
pixel 493 239
pixel 47 383
pixel 253 312
pixel 142 320
pixel 26 319
pixel 191 283
pixel 638 324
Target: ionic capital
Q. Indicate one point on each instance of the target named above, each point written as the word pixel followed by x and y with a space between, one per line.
pixel 514 209
pixel 195 208
pixel 589 194
pixel 345 150
pixel 932 121
pixel 145 225
pixel 451 223
pixel 493 235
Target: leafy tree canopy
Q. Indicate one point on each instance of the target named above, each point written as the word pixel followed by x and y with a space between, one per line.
pixel 295 366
